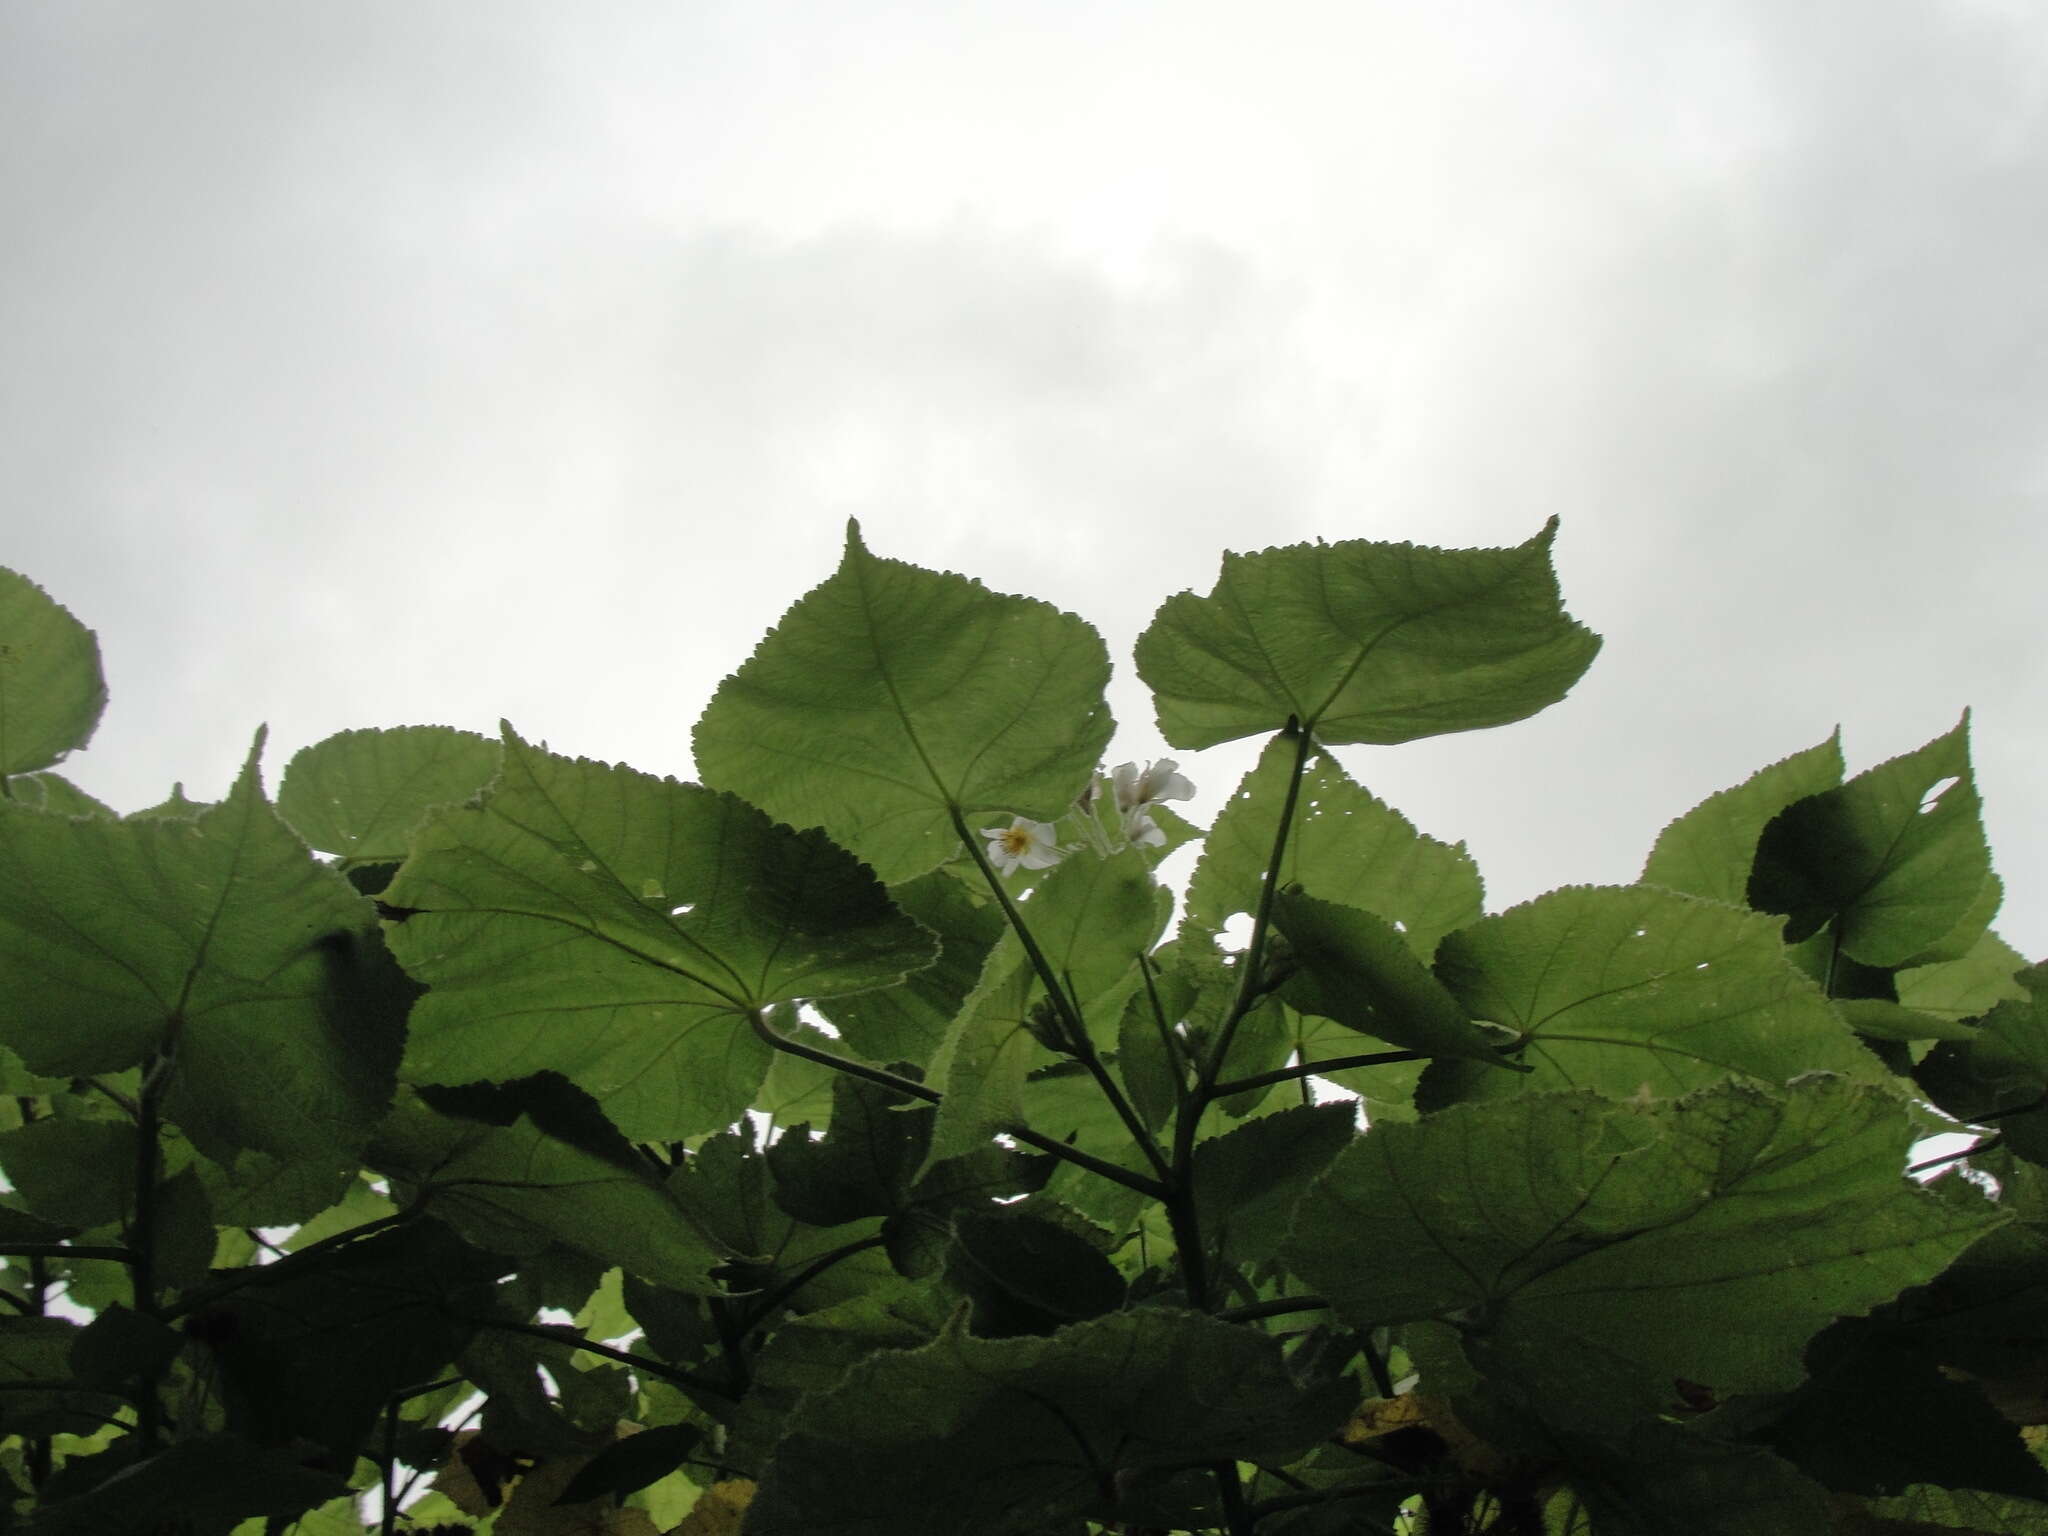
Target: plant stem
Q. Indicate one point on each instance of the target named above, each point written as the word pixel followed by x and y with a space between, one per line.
pixel 561 1334
pixel 1279 1306
pixel 1237 1518
pixel 68 1251
pixel 156 1071
pixel 290 1264
pixel 1308 1069
pixel 1070 1016
pixel 765 1305
pixel 1180 1207
pixel 1249 983
pixel 1084 1048
pixel 917 1090
pixel 1988 1144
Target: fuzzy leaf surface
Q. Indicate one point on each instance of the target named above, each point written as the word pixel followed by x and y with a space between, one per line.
pixel 51 689
pixel 1619 987
pixel 620 929
pixel 1594 1252
pixel 220 936
pixel 971 1435
pixel 1363 641
pixel 359 794
pixel 1345 846
pixel 1894 859
pixel 1709 850
pixel 889 696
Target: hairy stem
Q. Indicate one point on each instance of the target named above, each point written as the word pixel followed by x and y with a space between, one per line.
pixel 917 1090
pixel 1307 1069
pixel 562 1334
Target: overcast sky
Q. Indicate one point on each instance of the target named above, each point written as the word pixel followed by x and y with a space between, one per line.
pixel 383 363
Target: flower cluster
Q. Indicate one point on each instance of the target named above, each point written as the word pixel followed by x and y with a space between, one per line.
pixel 1137 791
pixel 1027 844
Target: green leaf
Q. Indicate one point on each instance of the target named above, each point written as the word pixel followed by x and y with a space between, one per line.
pixel 1710 849
pixel 1895 858
pixel 1246 1182
pixel 1364 642
pixel 55 795
pixel 120 1346
pixel 1673 1480
pixel 1968 987
pixel 970 1435
pixel 1627 989
pixel 1358 969
pixel 317 1348
pixel 220 939
pixel 889 698
pixel 1927 1509
pixel 359 794
pixel 212 1481
pixel 35 1351
pixel 812 1354
pixel 1876 1416
pixel 76 1171
pixel 51 688
pixel 907 1022
pixel 522 1168
pixel 1594 1252
pixel 1345 846
pixel 621 929
pixel 2002 1073
pixel 862 1166
pixel 633 1463
pixel 1151 1067
pixel 1027 1274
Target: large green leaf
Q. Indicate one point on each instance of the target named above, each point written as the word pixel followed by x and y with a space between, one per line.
pixel 51 688
pixel 621 929
pixel 1364 642
pixel 517 1167
pixel 1593 1252
pixel 986 1436
pixel 1345 846
pixel 217 939
pixel 889 698
pixel 1356 968
pixel 1709 850
pixel 1624 989
pixel 359 794
pixel 1895 858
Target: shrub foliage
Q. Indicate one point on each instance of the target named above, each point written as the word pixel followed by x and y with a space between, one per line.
pixel 858 1143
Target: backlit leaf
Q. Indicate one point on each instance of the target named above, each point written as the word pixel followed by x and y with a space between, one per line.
pixel 620 929
pixel 51 689
pixel 1364 642
pixel 890 696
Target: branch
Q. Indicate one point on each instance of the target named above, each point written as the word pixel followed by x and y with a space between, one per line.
pixel 917 1090
pixel 1313 1069
pixel 562 1334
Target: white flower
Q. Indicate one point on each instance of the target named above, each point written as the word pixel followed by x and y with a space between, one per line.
pixel 1137 791
pixel 1023 843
